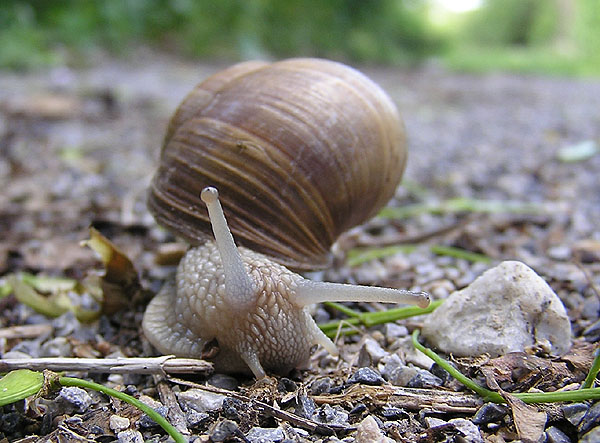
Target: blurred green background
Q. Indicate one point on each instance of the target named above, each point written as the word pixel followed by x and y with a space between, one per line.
pixel 549 36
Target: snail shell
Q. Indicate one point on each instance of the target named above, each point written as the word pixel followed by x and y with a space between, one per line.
pixel 301 150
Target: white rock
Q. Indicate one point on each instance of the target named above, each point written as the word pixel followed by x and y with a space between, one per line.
pixel 118 423
pixel 199 400
pixel 508 308
pixel 368 431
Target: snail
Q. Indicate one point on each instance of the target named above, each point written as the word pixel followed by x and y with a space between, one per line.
pixel 300 151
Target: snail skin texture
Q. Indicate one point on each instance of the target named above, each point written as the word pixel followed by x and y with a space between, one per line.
pixel 300 150
pixel 255 308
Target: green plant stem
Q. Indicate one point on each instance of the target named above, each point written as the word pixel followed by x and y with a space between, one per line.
pixel 376 318
pixel 589 380
pixel 340 307
pixel 159 419
pixel 488 395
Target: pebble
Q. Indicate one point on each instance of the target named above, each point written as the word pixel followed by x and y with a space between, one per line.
pixel 366 376
pixel 195 419
pixel 368 431
pixel 78 399
pixel 392 331
pixel 305 407
pixel 265 435
pixel 232 408
pixel 575 412
pixel 223 381
pixel 118 423
pixel 555 435
pixel 146 422
pixel 508 308
pixel 130 436
pixel 394 413
pixel 424 379
pixel 592 332
pixel 370 353
pixel 201 401
pixel 591 437
pixel 320 386
pixel 224 431
pixel 331 415
pixel 590 419
pixel 470 431
pixel 489 413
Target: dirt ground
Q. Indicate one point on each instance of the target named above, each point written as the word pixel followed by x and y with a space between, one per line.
pixel 78 148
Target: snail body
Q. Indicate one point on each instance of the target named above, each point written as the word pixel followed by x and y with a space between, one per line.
pixel 293 171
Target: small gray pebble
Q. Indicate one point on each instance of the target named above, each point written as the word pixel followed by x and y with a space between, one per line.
pixel 370 353
pixel 320 386
pixel 489 413
pixel 393 331
pixel 306 406
pixel 394 413
pixel 591 437
pixel 146 422
pixel 224 430
pixel 75 397
pixel 223 381
pixel 366 376
pixel 232 408
pixel 130 436
pixel 592 332
pixel 201 401
pixel 555 435
pixel 56 347
pixel 424 379
pixel 331 415
pixel 591 419
pixel 265 435
pixel 575 412
pixel 358 409
pixel 195 418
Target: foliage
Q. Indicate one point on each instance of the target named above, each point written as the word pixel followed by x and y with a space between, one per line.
pixel 365 30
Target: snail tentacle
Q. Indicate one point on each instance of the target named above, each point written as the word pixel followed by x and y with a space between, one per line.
pixel 240 291
pixel 309 292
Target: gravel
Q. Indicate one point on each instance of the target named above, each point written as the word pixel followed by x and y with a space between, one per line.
pixel 494 137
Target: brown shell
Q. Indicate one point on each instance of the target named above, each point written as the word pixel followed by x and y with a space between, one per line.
pixel 300 150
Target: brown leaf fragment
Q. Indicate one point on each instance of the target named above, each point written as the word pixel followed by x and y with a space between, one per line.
pixel 529 421
pixel 580 356
pixel 120 283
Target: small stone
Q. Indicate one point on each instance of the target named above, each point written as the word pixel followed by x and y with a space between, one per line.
pixel 489 413
pixel 56 347
pixel 224 430
pixel 232 408
pixel 555 435
pixel 331 415
pixel 434 422
pixel 265 435
pixel 201 401
pixel 306 406
pixel 591 437
pixel 441 373
pixel 575 412
pixel 402 375
pixel 223 381
pixel 118 423
pixel 590 419
pixel 366 376
pixel 370 353
pixel 470 432
pixel 592 332
pixel 388 364
pixel 358 409
pixel 78 399
pixel 393 331
pixel 508 308
pixel 146 422
pixel 195 419
pixel 368 431
pixel 130 436
pixel 424 379
pixel 320 386
pixel 394 413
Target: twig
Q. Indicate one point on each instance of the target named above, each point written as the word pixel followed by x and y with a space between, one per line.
pixel 25 331
pixel 413 399
pixel 139 365
pixel 296 420
pixel 167 397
